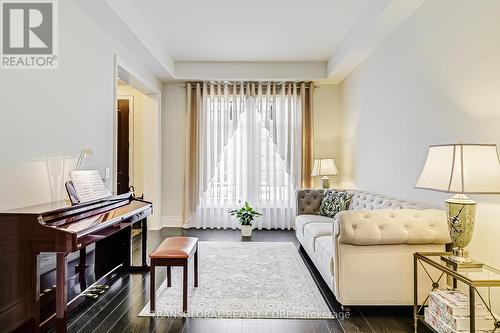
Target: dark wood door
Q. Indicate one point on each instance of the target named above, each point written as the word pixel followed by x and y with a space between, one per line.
pixel 123 147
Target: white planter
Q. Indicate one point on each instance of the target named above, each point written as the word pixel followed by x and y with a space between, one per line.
pixel 246 230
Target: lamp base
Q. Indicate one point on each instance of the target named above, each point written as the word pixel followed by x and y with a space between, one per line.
pixel 461 217
pixel 458 265
pixel 325 182
pixel 460 259
pixel 460 255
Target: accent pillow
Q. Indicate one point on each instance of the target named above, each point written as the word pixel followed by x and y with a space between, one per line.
pixel 334 202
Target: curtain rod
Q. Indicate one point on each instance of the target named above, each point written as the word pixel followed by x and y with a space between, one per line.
pixel 307 84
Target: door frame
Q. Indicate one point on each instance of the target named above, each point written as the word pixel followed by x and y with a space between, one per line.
pixel 121 70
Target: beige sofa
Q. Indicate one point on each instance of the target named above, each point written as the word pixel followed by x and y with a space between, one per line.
pixel 365 254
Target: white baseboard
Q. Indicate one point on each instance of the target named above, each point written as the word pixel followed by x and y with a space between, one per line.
pixel 171 221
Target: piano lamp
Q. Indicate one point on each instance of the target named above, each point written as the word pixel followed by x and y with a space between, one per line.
pixel 324 167
pixel 461 168
pixel 83 155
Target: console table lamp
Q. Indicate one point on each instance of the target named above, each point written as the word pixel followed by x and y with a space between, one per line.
pixel 324 167
pixel 461 169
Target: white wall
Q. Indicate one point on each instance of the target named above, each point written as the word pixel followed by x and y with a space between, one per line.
pixel 327 125
pixel 435 80
pixel 152 158
pixel 47 114
pixel 173 153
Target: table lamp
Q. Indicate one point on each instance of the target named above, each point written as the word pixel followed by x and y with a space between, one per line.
pixel 461 168
pixel 83 155
pixel 324 167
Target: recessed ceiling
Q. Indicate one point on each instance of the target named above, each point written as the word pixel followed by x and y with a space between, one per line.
pixel 182 40
pixel 258 30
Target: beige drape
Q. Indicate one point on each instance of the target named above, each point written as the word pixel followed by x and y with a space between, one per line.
pixel 307 134
pixel 191 176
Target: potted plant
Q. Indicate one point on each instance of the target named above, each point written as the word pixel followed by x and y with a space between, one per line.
pixel 245 215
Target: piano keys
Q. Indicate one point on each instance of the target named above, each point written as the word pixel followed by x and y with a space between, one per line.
pixel 100 229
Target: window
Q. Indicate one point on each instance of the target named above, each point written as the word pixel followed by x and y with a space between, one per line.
pixel 250 166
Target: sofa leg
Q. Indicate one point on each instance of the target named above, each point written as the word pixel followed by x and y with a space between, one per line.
pixel 345 308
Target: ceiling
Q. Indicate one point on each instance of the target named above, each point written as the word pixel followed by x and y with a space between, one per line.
pixel 320 40
pixel 258 30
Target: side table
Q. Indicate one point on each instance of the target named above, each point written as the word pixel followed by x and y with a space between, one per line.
pixel 473 278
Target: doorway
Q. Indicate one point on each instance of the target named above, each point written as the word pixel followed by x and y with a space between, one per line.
pixel 122 172
pixel 137 144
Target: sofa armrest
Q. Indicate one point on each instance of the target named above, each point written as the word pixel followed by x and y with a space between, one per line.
pixel 309 201
pixel 392 226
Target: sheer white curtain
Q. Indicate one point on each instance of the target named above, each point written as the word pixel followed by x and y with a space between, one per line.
pixel 249 149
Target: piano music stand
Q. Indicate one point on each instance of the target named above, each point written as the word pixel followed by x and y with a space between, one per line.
pixel 70 189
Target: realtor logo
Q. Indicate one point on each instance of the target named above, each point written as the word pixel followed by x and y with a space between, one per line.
pixel 29 34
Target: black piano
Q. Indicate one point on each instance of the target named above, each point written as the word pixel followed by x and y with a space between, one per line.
pixel 96 237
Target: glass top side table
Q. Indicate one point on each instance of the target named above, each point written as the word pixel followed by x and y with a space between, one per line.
pixel 473 277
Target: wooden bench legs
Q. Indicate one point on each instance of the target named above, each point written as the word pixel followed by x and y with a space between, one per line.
pixel 196 267
pixel 169 277
pixel 185 276
pixel 152 288
pixel 182 262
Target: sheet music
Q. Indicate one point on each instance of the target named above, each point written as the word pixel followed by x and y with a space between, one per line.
pixel 88 185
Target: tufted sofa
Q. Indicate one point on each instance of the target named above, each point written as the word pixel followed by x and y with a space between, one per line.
pixel 365 253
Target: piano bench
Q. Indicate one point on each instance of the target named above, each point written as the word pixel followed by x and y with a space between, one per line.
pixel 174 251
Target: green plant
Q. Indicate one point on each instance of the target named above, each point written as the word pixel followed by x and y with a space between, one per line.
pixel 245 215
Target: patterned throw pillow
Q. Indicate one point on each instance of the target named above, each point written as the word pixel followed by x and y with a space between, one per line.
pixel 334 202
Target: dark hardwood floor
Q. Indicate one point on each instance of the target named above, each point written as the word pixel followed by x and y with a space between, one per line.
pixel 117 309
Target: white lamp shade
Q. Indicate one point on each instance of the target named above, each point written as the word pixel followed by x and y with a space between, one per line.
pixel 324 167
pixel 461 168
pixel 88 151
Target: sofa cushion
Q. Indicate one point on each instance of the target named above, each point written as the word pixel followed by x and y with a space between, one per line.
pixel 334 202
pixel 302 220
pixel 324 254
pixel 315 230
pixel 309 200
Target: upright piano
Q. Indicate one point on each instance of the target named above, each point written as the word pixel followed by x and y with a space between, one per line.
pixel 104 226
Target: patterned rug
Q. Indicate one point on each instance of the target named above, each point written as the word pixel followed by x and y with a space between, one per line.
pixel 244 280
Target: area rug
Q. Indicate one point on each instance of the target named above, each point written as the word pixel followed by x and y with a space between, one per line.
pixel 244 280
